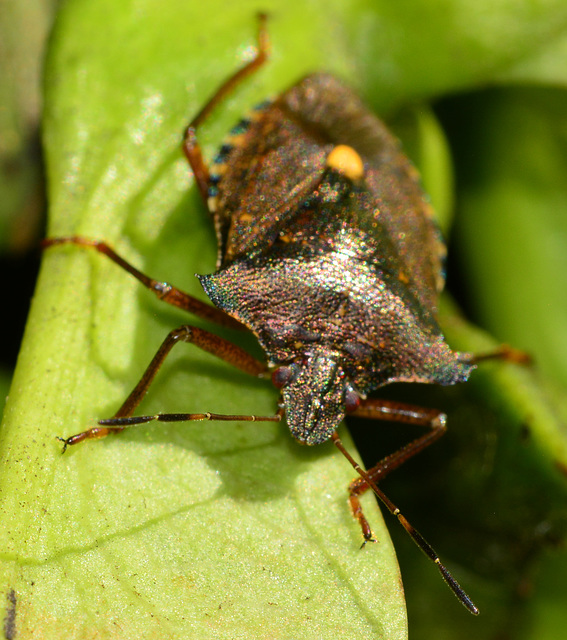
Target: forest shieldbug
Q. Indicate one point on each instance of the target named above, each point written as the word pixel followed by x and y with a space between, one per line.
pixel 328 253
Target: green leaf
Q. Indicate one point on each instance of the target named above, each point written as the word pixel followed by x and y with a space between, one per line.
pixel 189 530
pixel 425 143
pixel 515 197
pixel 199 530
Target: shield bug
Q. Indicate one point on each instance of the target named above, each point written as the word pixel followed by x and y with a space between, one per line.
pixel 328 253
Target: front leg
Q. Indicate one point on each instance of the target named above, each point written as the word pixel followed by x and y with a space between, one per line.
pixel 378 409
pixel 201 338
pixel 435 420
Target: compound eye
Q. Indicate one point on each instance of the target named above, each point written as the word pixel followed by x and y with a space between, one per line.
pixel 352 400
pixel 284 375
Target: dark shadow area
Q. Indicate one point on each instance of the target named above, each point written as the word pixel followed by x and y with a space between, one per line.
pixel 20 274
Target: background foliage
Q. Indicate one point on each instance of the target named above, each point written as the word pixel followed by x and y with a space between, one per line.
pixel 233 530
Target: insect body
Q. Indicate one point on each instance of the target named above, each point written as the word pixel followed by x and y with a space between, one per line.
pixel 328 253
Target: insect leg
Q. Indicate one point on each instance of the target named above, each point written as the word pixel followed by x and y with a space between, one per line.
pixel 379 409
pixel 505 352
pixel 201 338
pixel 419 540
pixel 191 146
pixel 163 290
pixel 188 417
